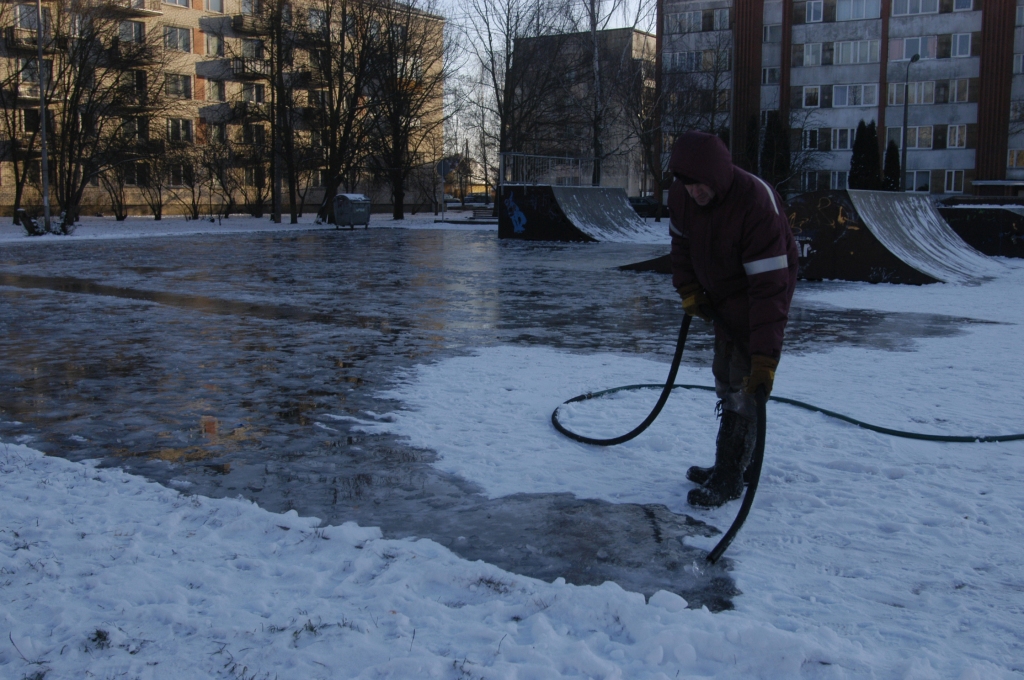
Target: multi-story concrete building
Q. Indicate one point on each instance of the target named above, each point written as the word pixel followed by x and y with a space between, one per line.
pixel 826 65
pixel 182 88
pixel 568 116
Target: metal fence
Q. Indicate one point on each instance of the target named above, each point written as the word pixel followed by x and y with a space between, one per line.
pixel 521 168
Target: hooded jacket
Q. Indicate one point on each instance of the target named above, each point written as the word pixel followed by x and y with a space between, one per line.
pixel 739 247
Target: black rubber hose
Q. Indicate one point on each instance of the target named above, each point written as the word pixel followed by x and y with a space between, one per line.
pixel 755 466
pixel 665 392
pixel 758 456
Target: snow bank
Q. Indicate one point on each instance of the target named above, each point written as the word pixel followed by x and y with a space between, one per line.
pixel 103 574
pixel 104 228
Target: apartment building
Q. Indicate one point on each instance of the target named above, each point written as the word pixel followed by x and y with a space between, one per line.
pixel 560 93
pixel 179 96
pixel 826 65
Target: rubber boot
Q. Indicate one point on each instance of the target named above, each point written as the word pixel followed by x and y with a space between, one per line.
pixel 734 430
pixel 733 451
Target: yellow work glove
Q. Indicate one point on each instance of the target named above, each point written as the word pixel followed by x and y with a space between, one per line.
pixel 762 373
pixel 693 299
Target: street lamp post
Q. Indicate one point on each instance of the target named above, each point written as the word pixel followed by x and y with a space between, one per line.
pixel 903 146
pixel 43 161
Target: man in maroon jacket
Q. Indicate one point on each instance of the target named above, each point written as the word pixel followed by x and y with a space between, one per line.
pixel 733 255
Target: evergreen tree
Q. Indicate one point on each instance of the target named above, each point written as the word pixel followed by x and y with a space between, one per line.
pixel 873 158
pixel 891 176
pixel 865 163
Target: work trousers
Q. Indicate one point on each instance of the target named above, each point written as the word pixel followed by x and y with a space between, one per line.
pixel 730 366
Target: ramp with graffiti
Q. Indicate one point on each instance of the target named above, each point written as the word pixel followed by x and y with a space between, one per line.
pixel 879 236
pixel 993 229
pixel 550 213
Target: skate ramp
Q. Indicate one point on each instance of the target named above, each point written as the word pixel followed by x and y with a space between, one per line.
pixel 549 213
pixel 996 230
pixel 880 237
pixel 910 228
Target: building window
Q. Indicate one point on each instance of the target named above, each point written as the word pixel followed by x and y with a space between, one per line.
pixel 1016 159
pixel 920 92
pixel 770 76
pixel 179 3
pixel 842 139
pixel 179 175
pixel 254 93
pixel 857 52
pixel 215 6
pixel 1018 63
pixel 1020 15
pixel 810 139
pixel 956 137
pixel 254 133
pixel 958 90
pixel 255 176
pixel 963 5
pixel 217 91
pixel 26 17
pixel 813 12
pixel 919 137
pixel 902 49
pixel 179 129
pixel 954 181
pixel 848 10
pixel 722 19
pixel 855 95
pixel 252 48
pixel 684 22
pixel 218 133
pixel 919 180
pixel 178 39
pixel 178 86
pixel 688 61
pixel 214 45
pixel 811 96
pixel 132 32
pixel 838 181
pixel 772 33
pixel 812 54
pixel 809 181
pixel 250 7
pixel 904 7
pixel 961 45
pixel 317 20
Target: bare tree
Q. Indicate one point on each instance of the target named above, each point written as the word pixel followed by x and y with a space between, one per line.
pixel 102 81
pixel 698 85
pixel 339 37
pixel 411 59
pixel 515 78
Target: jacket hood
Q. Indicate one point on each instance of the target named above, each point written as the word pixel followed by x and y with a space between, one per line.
pixel 704 158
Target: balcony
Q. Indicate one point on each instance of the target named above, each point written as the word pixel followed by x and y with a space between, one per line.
pixel 249 68
pixel 134 8
pixel 28 93
pixel 248 110
pixel 151 147
pixel 24 40
pixel 245 23
pixel 133 54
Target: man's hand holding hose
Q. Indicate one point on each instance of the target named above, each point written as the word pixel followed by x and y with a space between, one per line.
pixel 694 298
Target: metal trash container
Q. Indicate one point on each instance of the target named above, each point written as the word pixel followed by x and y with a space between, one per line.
pixel 351 209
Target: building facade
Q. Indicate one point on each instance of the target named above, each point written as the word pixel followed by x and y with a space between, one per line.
pixel 827 65
pixel 178 106
pixel 569 116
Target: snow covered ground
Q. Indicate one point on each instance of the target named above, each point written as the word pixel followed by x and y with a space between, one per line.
pixel 92 228
pixel 864 556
